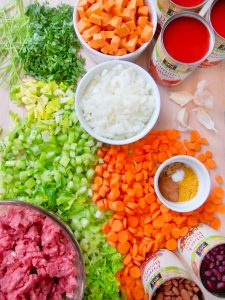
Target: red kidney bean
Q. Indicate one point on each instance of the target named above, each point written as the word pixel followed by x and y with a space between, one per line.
pixel 212 270
pixel 220 285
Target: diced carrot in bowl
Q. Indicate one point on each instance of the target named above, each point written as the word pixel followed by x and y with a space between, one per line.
pixel 125 25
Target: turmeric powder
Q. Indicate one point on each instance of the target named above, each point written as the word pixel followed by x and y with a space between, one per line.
pixel 188 187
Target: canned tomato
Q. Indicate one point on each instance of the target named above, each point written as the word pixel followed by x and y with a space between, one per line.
pixel 168 8
pixel 186 40
pixel 203 249
pixel 163 275
pixel 216 17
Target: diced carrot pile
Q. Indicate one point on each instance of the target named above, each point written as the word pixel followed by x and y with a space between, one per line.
pixel 114 27
pixel 140 224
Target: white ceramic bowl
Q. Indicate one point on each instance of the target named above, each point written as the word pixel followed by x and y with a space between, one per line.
pixel 98 56
pixel 98 69
pixel 203 180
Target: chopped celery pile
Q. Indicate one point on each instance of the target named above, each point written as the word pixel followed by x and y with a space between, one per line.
pixel 48 160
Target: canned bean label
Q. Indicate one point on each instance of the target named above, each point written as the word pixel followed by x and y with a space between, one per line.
pixel 197 243
pixel 216 17
pixel 160 267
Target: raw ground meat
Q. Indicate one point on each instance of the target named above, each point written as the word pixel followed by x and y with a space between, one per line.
pixel 37 260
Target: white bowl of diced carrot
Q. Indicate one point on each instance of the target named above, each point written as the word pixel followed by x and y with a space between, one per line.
pixel 115 29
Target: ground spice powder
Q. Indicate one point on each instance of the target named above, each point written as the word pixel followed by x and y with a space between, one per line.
pixel 188 187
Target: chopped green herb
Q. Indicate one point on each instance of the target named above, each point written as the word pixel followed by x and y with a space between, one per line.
pixel 13 35
pixel 52 49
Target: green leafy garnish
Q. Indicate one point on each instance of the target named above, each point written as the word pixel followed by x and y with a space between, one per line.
pixel 48 160
pixel 13 35
pixel 52 49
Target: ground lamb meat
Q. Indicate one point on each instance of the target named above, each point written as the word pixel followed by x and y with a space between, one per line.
pixel 37 260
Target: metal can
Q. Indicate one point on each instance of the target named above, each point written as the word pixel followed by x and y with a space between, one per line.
pixel 218 53
pixel 196 245
pixel 159 268
pixel 167 70
pixel 168 8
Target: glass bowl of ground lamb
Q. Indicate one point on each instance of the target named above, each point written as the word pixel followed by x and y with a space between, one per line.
pixel 39 257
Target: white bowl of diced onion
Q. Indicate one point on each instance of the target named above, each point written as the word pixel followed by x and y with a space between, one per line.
pixel 117 102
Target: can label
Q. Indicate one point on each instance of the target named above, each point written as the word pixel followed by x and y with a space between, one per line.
pixel 165 70
pixel 197 243
pixel 218 53
pixel 166 9
pixel 160 267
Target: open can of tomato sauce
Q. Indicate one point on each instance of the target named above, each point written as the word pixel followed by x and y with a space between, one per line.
pixel 168 8
pixel 164 277
pixel 186 40
pixel 216 17
pixel 203 249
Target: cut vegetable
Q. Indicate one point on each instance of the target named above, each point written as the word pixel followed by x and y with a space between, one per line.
pixel 48 160
pixel 183 119
pixel 205 119
pixel 181 97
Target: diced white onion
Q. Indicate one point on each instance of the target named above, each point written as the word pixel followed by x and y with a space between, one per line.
pixel 118 103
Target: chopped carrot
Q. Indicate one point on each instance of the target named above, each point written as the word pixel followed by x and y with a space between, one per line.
pixel 176 233
pixel 143 11
pixel 118 206
pixel 219 179
pixel 166 229
pixel 123 236
pixel 194 136
pixel 171 244
pixel 135 272
pixel 117 226
pixel 123 248
pixel 219 191
pixel 132 221
pixel 215 223
pixel 140 224
pixel 112 237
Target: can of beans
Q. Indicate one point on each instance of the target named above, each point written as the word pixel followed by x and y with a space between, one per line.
pixel 186 40
pixel 203 249
pixel 216 18
pixel 168 8
pixel 163 276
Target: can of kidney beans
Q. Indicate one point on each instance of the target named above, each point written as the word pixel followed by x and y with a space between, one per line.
pixel 163 275
pixel 185 41
pixel 203 249
pixel 216 17
pixel 168 8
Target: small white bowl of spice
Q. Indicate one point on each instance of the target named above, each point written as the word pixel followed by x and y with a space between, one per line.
pixel 182 183
pixel 117 102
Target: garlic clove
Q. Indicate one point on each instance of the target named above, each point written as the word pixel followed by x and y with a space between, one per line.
pixel 203 98
pixel 183 119
pixel 204 118
pixel 202 84
pixel 181 98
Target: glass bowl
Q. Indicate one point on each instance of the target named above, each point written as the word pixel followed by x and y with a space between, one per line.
pixel 5 205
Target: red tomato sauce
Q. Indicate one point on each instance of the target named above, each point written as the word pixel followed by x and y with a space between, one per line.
pixel 218 17
pixel 188 3
pixel 186 39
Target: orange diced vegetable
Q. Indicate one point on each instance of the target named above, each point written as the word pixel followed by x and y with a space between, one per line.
pixel 95 19
pixel 116 22
pixel 146 33
pixel 131 44
pixel 83 25
pixel 123 31
pixel 131 24
pixel 81 12
pixel 128 14
pixel 142 21
pixel 108 5
pixel 143 11
pixel 115 42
